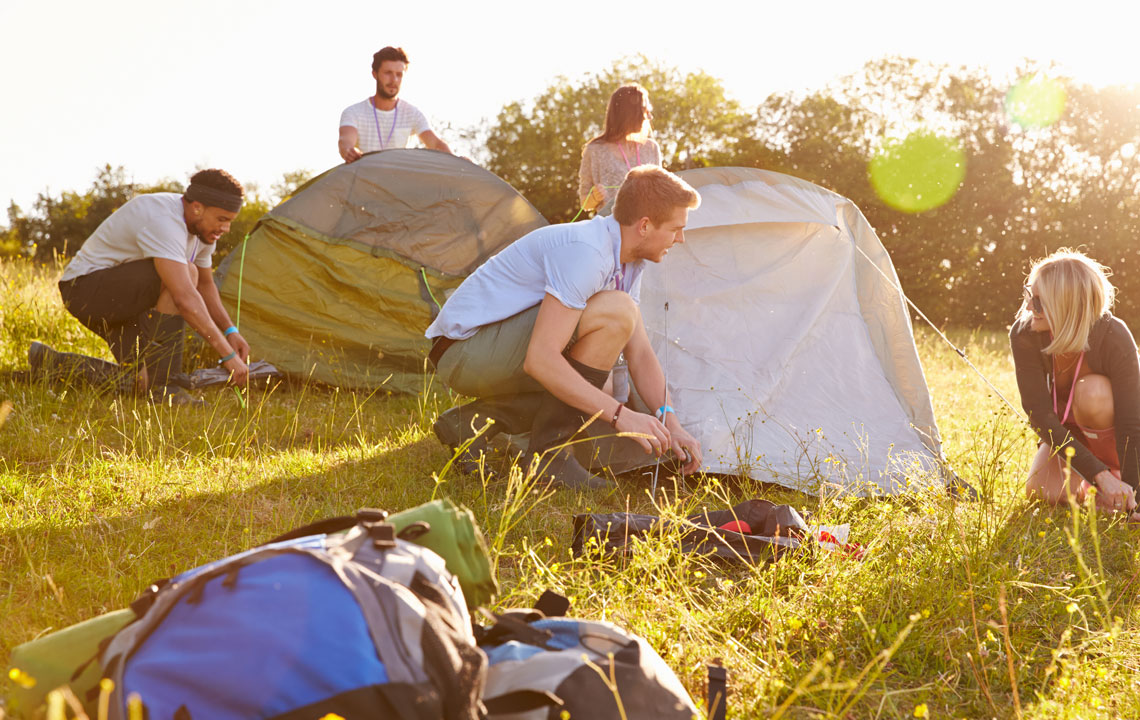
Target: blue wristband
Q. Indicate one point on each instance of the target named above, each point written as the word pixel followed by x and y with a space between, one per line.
pixel 227 358
pixel 229 331
pixel 662 410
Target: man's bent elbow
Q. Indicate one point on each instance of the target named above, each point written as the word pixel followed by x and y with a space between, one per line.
pixel 530 366
pixel 537 367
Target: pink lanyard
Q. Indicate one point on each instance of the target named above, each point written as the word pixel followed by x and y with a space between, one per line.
pixel 626 158
pixel 1072 388
pixel 376 118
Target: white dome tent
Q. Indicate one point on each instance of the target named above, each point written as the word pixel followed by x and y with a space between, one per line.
pixel 786 341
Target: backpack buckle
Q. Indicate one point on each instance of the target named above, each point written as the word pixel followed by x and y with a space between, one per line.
pixel 383 535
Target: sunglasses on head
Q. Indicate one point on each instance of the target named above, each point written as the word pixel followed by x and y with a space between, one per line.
pixel 1033 301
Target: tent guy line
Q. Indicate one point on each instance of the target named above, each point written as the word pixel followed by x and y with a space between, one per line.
pixel 961 353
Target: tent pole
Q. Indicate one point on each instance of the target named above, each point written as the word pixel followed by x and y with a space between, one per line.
pixel 241 275
pixel 664 374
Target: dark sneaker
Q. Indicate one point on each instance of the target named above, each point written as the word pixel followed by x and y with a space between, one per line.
pixel 562 469
pixel 174 396
pixel 454 428
pixel 74 368
pixel 38 355
pixel 450 428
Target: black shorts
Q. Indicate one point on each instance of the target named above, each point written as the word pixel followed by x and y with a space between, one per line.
pixel 117 304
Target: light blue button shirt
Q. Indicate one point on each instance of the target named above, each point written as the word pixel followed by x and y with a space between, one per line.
pixel 572 262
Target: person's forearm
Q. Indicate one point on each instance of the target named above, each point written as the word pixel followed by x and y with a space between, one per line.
pixel 649 379
pixel 193 309
pixel 346 142
pixel 209 292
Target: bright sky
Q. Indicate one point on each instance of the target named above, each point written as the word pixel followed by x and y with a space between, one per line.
pixel 257 86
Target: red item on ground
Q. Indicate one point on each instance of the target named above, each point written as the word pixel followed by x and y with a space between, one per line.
pixel 852 550
pixel 737 526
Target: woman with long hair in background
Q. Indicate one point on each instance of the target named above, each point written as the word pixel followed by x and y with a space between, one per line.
pixel 1079 378
pixel 624 144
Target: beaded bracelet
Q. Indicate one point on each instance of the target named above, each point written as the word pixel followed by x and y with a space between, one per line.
pixel 227 358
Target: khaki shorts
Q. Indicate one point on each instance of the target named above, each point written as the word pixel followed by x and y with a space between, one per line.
pixel 490 362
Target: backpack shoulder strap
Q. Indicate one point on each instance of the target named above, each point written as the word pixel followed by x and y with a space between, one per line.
pixel 332 525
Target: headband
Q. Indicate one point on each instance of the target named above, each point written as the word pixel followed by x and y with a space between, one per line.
pixel 228 201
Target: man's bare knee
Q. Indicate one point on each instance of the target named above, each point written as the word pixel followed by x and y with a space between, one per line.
pixel 165 303
pixel 611 309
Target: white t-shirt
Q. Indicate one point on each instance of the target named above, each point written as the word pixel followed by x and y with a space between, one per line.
pixel 384 129
pixel 147 226
pixel 572 262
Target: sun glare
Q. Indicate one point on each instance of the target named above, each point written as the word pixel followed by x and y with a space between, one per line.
pixel 1036 101
pixel 918 173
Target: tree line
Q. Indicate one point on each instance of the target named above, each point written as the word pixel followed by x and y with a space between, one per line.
pixel 1020 167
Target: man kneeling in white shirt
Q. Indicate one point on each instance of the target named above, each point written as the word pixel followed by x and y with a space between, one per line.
pixel 140 277
pixel 534 332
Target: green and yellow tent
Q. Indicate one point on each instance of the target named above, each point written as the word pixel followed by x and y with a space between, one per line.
pixel 338 283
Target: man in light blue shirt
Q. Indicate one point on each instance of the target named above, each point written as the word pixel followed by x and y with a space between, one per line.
pixel 533 333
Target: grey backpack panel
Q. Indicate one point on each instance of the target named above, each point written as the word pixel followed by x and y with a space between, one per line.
pixel 572 660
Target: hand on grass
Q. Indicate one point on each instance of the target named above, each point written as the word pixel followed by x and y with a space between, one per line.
pixel 1113 494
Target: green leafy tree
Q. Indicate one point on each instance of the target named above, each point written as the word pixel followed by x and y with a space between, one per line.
pixel 1026 190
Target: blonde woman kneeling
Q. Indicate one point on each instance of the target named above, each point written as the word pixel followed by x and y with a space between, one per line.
pixel 1079 378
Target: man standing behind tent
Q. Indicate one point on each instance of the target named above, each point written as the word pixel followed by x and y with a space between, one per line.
pixel 141 276
pixel 384 120
pixel 534 332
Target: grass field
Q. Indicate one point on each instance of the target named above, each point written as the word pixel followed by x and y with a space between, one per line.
pixel 996 608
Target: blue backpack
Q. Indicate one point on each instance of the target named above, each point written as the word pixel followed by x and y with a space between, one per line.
pixel 360 624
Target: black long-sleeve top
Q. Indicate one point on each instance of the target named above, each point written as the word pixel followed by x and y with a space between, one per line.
pixel 1112 353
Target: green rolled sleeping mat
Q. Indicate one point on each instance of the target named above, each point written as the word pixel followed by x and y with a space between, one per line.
pixel 46 663
pixel 455 537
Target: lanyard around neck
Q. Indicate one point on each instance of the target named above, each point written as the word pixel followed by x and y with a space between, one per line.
pixel 1072 388
pixel 619 268
pixel 376 118
pixel 626 157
